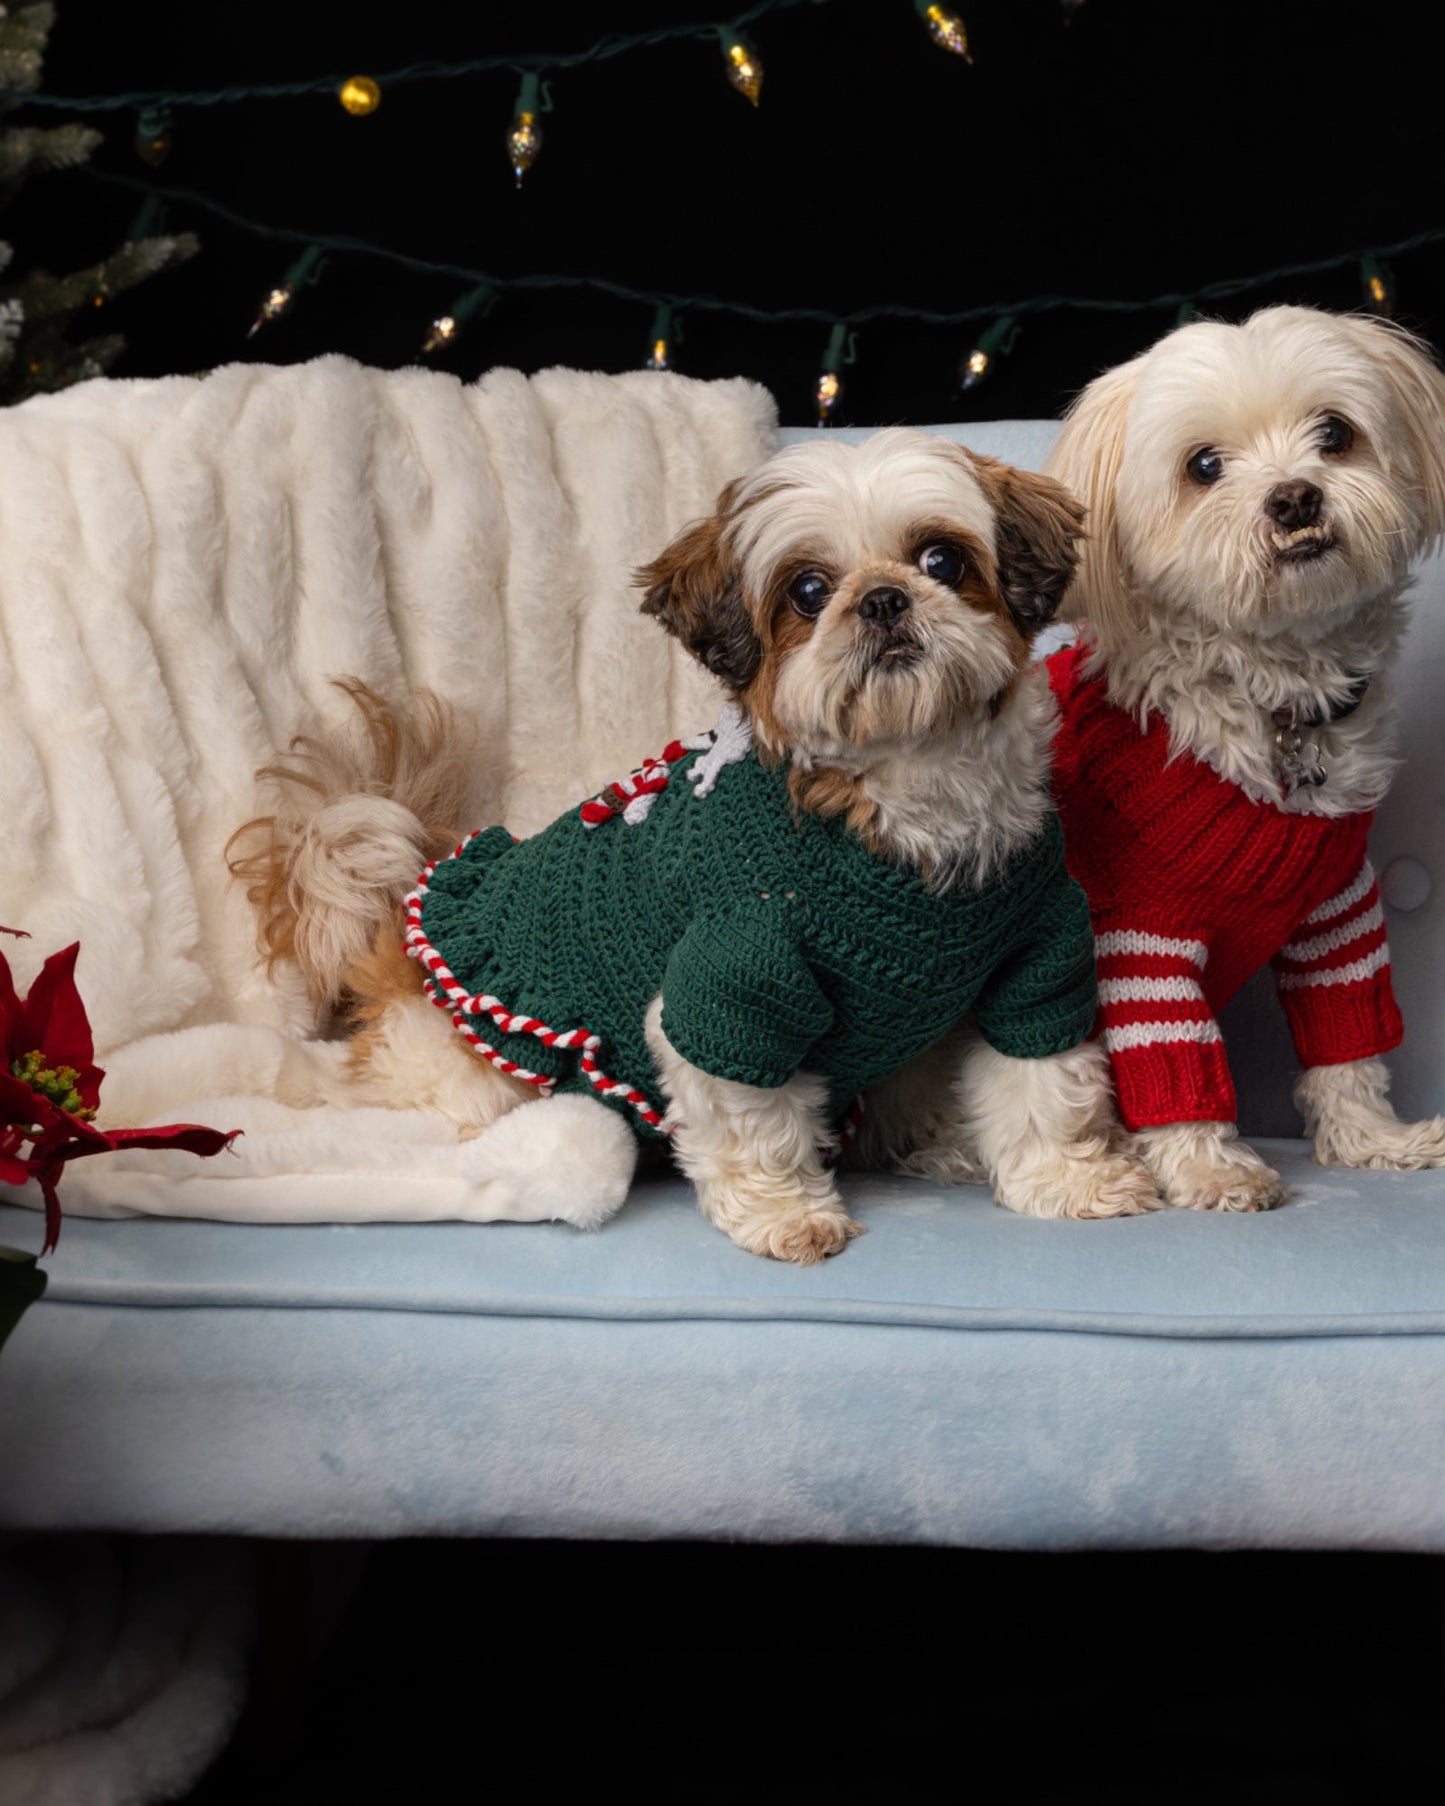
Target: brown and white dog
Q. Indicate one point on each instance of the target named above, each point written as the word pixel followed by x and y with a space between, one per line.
pixel 1256 494
pixel 869 611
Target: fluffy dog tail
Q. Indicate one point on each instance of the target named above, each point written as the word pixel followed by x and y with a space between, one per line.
pixel 357 814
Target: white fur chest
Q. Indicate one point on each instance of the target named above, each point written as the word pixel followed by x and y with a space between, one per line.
pixel 1219 699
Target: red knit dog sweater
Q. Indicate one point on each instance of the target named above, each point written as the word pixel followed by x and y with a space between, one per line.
pixel 1192 886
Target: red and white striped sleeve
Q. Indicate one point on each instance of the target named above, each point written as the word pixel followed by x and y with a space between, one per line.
pixel 1333 977
pixel 1157 1027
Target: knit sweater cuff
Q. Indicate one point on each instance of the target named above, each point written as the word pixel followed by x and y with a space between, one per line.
pixel 1051 1027
pixel 1332 1024
pixel 1173 1081
pixel 739 1001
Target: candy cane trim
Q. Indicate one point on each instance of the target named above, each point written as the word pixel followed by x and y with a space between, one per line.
pixel 648 780
pixel 444 990
pixel 442 987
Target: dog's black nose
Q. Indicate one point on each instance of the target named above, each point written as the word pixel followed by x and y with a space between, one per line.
pixel 883 606
pixel 1293 504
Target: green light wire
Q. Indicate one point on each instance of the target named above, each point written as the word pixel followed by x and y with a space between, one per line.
pixel 168 100
pixel 621 291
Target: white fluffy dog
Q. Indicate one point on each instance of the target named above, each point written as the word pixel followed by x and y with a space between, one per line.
pixel 857 886
pixel 1255 495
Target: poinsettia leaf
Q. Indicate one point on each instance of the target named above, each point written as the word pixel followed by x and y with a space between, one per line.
pixel 67 1138
pixel 46 1161
pixel 190 1137
pixel 52 1017
pixel 21 1283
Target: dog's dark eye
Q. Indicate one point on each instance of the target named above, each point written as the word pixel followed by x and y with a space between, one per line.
pixel 809 593
pixel 1335 435
pixel 943 562
pixel 1205 467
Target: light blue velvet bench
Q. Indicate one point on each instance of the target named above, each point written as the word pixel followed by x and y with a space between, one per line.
pixel 959 1376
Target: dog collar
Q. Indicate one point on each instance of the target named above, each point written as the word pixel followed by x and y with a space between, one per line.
pixel 1300 762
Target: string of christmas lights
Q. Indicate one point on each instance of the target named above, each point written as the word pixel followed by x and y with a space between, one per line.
pixel 1001 321
pixel 361 95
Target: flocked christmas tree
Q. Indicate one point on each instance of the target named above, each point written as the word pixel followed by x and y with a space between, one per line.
pixel 38 310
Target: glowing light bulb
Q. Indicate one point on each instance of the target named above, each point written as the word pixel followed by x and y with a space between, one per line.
pixel 278 300
pixel 979 363
pixel 1379 289
pixel 446 328
pixel 743 64
pixel 659 355
pixel 945 28
pixel 360 95
pixel 829 390
pixel 524 140
pixel 272 308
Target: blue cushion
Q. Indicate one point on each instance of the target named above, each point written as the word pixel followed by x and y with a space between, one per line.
pixel 959 1375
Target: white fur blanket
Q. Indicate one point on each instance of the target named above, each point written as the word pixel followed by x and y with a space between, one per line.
pixel 184 566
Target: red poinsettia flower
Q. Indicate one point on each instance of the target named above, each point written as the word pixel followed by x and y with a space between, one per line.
pixel 50 1088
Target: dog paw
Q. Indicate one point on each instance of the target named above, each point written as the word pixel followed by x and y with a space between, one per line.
pixel 1102 1185
pixel 1390 1147
pixel 1205 1166
pixel 1228 1188
pixel 802 1236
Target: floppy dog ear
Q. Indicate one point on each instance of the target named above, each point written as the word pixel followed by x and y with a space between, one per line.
pixel 1408 365
pixel 1038 527
pixel 1087 459
pixel 694 590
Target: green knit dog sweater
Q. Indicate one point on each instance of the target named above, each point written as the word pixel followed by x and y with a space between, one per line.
pixel 777 940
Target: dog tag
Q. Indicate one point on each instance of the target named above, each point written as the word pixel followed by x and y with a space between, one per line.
pixel 1310 770
pixel 1300 763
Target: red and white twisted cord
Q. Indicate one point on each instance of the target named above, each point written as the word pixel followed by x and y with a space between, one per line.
pixel 447 993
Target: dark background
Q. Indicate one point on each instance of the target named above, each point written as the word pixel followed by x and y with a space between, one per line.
pixel 686 1674
pixel 1136 149
pixel 1141 147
